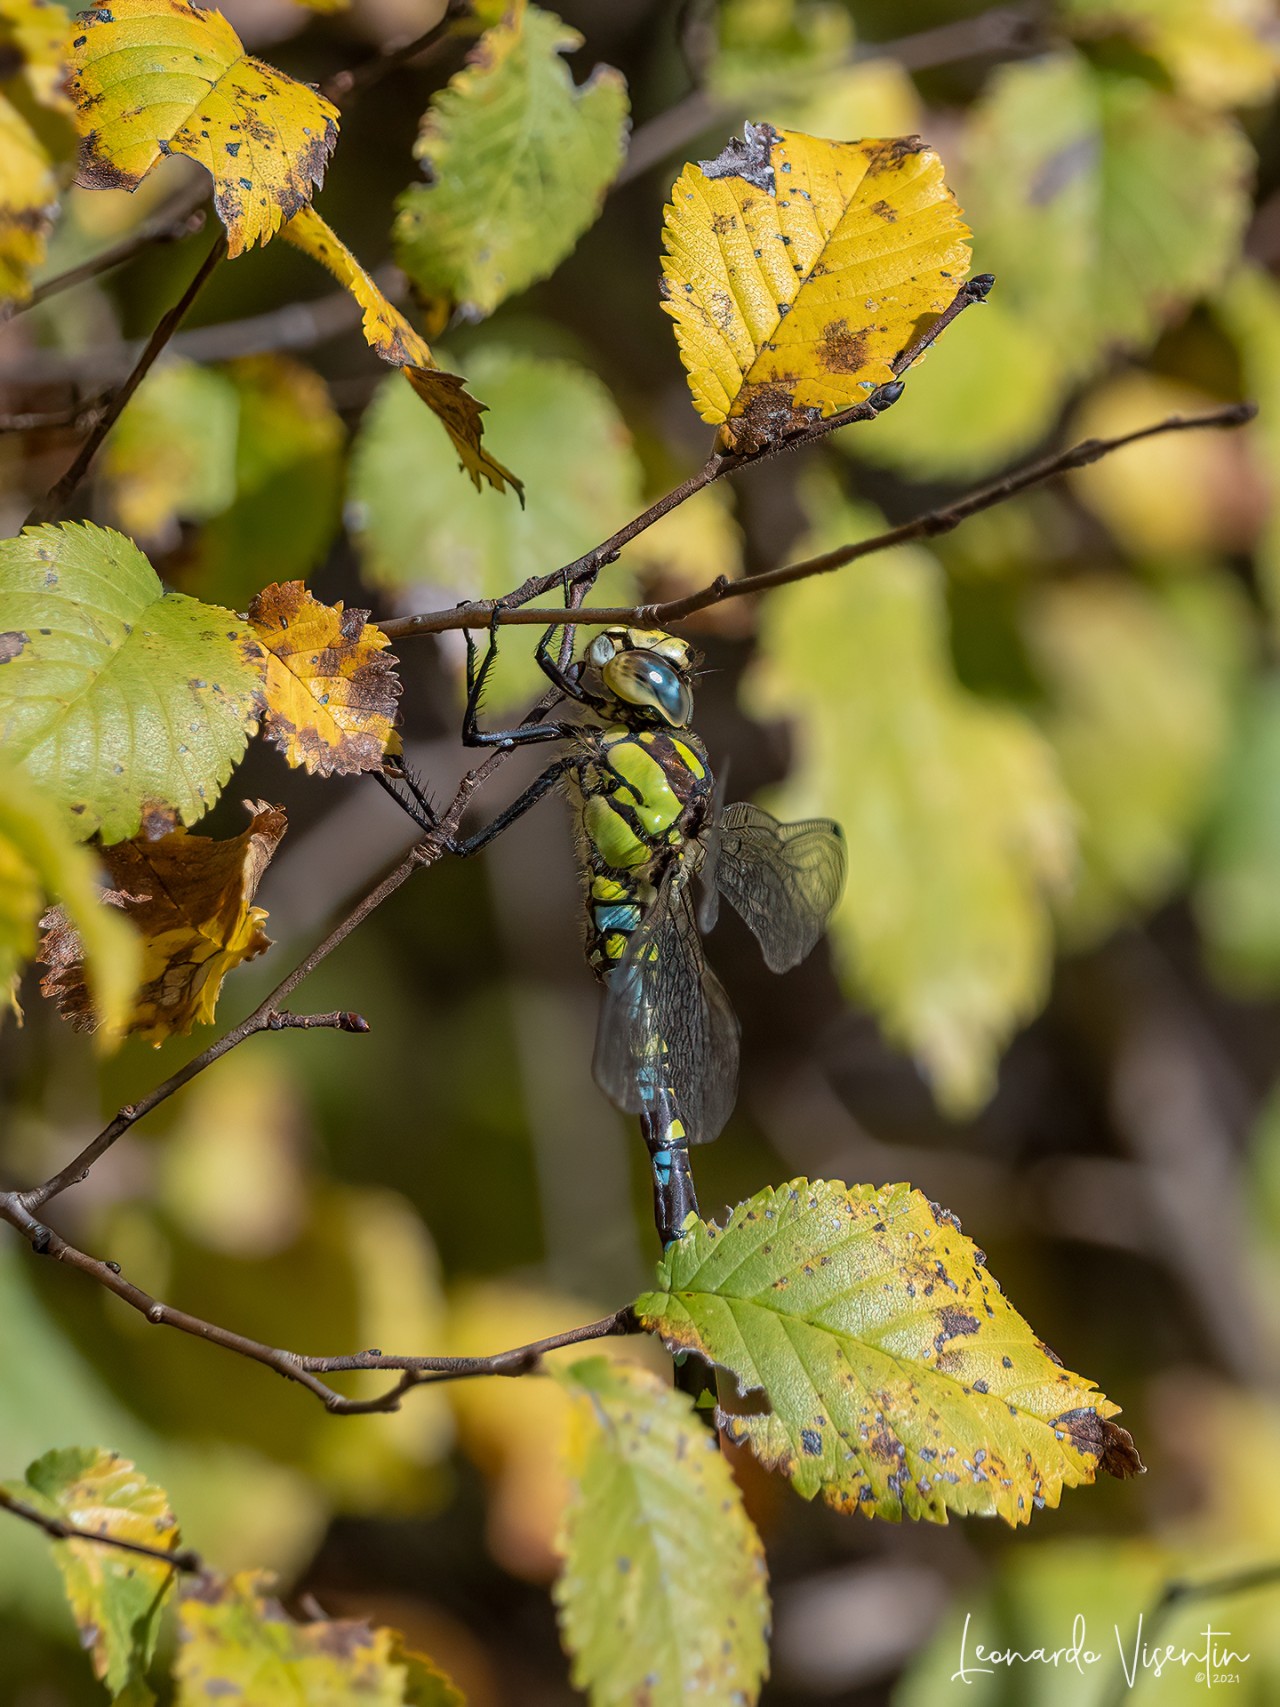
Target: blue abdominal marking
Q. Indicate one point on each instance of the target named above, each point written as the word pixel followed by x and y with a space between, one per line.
pixel 617 916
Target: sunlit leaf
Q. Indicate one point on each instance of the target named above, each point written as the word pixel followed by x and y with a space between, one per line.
pixel 957 824
pixel 126 701
pixel 1222 53
pixel 1237 897
pixel 36 136
pixel 414 527
pixel 159 77
pixel 190 898
pixel 896 1377
pixel 662 1598
pixel 1249 310
pixel 288 476
pixel 766 45
pixel 1139 716
pixel 39 861
pixel 116 1597
pixel 330 684
pixel 388 332
pixel 1105 205
pixel 236 1642
pixel 517 161
pixel 797 270
pixel 172 454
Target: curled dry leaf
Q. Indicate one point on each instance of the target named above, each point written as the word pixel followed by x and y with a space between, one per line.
pixel 191 900
pixel 799 272
pixel 157 77
pixel 329 682
pixel 36 136
pixel 388 333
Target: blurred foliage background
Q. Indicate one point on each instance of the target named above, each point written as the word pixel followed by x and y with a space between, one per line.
pixel 1052 995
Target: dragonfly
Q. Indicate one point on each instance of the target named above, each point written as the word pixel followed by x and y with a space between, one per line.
pixel 656 850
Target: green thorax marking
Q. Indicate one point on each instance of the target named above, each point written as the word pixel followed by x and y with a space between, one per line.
pixel 636 787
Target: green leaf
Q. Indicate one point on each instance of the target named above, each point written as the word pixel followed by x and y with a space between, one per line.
pixel 764 45
pixel 957 825
pixel 992 391
pixel 172 455
pixel 663 1597
pixel 896 1377
pixel 1220 53
pixel 237 1643
pixel 518 161
pixel 39 860
pixel 123 697
pixel 1249 310
pixel 1139 715
pixel 556 423
pixel 1237 898
pixel 1105 205
pixel 116 1597
pixel 288 482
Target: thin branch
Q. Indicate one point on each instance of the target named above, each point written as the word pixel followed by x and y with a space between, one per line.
pixel 182 216
pixel 81 416
pixel 389 59
pixel 306 1371
pixel 344 1021
pixel 54 1527
pixel 926 526
pixel 61 490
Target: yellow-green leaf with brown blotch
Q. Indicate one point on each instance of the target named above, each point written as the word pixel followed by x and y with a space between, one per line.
pixel 663 1598
pixel 190 898
pixel 116 1597
pixel 237 1643
pixel 36 136
pixel 129 704
pixel 39 860
pixel 799 271
pixel 329 682
pixel 158 77
pixel 881 1363
pixel 389 334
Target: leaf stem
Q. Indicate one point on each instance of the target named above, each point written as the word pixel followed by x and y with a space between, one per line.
pixel 48 507
pixel 927 526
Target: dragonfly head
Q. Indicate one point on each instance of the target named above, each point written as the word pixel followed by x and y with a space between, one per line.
pixel 646 672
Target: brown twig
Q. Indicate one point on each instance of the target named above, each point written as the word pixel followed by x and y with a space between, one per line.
pixel 306 1371
pixel 47 508
pixel 79 415
pixel 182 216
pixel 184 1559
pixel 389 59
pixel 926 526
pixel 997 31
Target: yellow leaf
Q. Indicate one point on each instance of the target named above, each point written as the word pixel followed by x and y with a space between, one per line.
pixel 153 77
pixel 799 270
pixel 388 333
pixel 331 686
pixel 190 898
pixel 35 136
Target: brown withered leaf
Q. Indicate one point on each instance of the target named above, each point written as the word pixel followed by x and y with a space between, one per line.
pixel 190 898
pixel 330 684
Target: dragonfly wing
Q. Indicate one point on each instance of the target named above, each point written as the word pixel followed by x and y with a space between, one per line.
pixel 784 879
pixel 666 1019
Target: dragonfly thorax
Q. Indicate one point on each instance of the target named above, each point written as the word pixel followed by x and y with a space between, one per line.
pixel 646 674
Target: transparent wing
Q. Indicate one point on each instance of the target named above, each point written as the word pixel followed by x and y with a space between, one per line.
pixel 784 879
pixel 666 1019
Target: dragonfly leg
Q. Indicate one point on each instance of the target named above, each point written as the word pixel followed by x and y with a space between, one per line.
pixel 472 734
pixel 465 846
pixel 569 685
pixel 418 805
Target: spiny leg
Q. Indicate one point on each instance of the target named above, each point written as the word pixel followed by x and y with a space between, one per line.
pixel 472 734
pixel 465 846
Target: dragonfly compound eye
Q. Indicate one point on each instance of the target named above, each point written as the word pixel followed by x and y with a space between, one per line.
pixel 643 678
